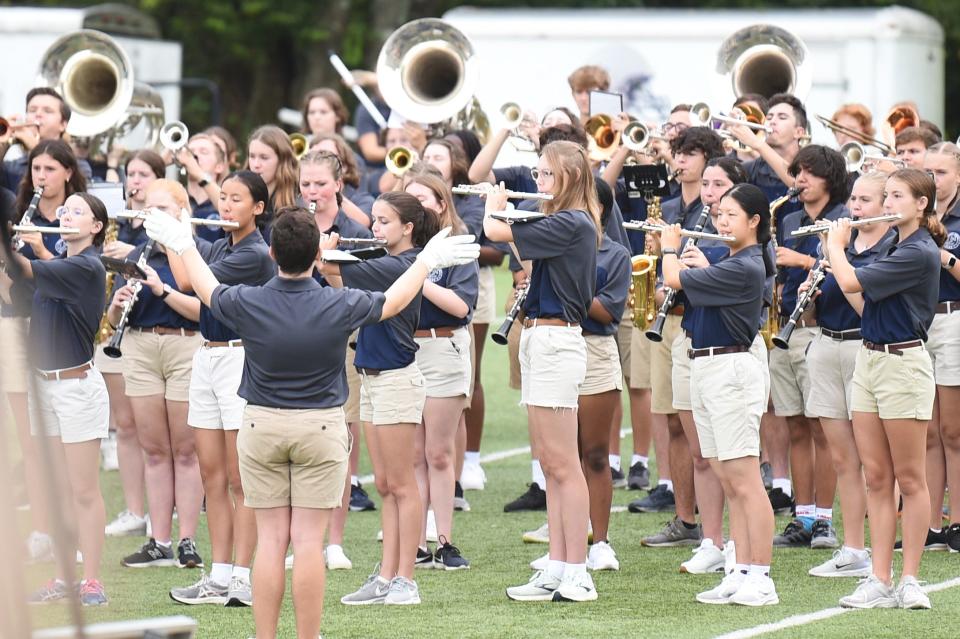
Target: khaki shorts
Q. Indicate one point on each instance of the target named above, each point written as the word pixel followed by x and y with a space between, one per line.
pixel 107 365
pixel 293 457
pixel 603 365
pixel 830 363
pixel 158 364
pixel 393 397
pixel 351 409
pixel 661 365
pixel 728 396
pixel 894 386
pixel 214 403
pixel 444 363
pixel 943 344
pixel 681 372
pixel 789 380
pixel 624 330
pixel 486 311
pixel 76 410
pixel 553 364
pixel 14 333
pixel 640 348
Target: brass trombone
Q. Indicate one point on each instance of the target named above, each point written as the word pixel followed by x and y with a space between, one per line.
pixel 836 127
pixel 701 115
pixel 855 155
pixel 399 160
pixel 897 119
pixel 602 140
pixel 300 145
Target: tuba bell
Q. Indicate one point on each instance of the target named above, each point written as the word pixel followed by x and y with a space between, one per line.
pixel 765 59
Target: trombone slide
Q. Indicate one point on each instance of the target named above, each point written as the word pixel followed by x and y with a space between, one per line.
pixel 813 229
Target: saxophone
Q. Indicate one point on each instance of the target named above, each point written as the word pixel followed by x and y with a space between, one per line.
pixel 772 325
pixel 643 285
pixel 105 331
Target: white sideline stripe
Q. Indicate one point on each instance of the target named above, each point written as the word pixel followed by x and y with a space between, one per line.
pixel 819 615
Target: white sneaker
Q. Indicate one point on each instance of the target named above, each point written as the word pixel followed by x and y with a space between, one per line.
pixel 871 593
pixel 578 587
pixel 729 557
pixel 706 558
pixel 380 535
pixel 40 547
pixel 539 536
pixel 335 557
pixel 431 527
pixel 911 596
pixel 721 594
pixel 472 477
pixel 108 453
pixel 602 557
pixel 126 524
pixel 403 592
pixel 540 588
pixel 844 563
pixel 756 590
pixel 540 563
pixel 288 563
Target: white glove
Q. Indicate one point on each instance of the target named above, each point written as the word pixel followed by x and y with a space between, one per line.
pixel 443 251
pixel 176 235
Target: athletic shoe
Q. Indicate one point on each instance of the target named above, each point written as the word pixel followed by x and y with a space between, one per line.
pixel 472 477
pixel 602 557
pixel 781 502
pixel 729 557
pixel 540 588
pixel 766 474
pixel 911 596
pixel 721 593
pixel 936 540
pixel 240 592
pixel 539 536
pixel 150 555
pixel 336 559
pixel 402 592
pixel 706 558
pixel 431 533
pixel 844 563
pixel 639 477
pixel 823 535
pixel 674 533
pixel 953 537
pixel 871 593
pixel 187 555
pixel 126 524
pixel 659 500
pixel 793 536
pixel 92 593
pixel 40 547
pixel 541 563
pixel 578 588
pixel 424 558
pixel 618 478
pixel 534 499
pixel 205 591
pixel 373 591
pixel 459 501
pixel 359 500
pixel 108 455
pixel 51 592
pixel 756 590
pixel 448 557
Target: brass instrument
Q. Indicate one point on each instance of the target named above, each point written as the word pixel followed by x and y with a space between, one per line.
pixel 500 336
pixel 637 137
pixel 836 127
pixel 485 188
pixel 173 137
pixel 815 229
pixel 765 59
pixel 772 326
pixel 27 217
pixel 512 114
pixel 112 349
pixel 897 119
pixel 602 140
pixel 855 155
pixel 399 160
pixel 641 296
pixel 701 115
pixel 142 214
pixel 7 125
pixel 300 145
pixel 45 230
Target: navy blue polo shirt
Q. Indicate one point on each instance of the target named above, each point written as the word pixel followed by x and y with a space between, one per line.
pixel 294 335
pixel 150 311
pixel 371 180
pixel 833 311
pixel 762 175
pixel 345 226
pixel 207 211
pixel 67 309
pixel 21 292
pixel 899 290
pixel 464 280
pixel 471 210
pixel 364 123
pixel 563 247
pixel 361 198
pixel 613 283
pixel 949 286
pixel 246 262
pixel 633 209
pixel 792 277
pixel 729 295
pixel 130 234
pixel 388 345
pixel 515 178
pixel 713 253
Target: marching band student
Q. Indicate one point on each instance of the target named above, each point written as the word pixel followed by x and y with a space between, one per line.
pixel 216 410
pixel 378 178
pixel 206 166
pixel 270 155
pixel 158 349
pixel 563 249
pixel 68 399
pixel 357 203
pixel 370 139
pixel 323 112
pixel 443 357
pixel 141 169
pixel 889 416
pixel 821 175
pixel 855 117
pixel 728 382
pixel 584 80
pixel 227 142
pixel 912 144
pixel 831 357
pixel 467 141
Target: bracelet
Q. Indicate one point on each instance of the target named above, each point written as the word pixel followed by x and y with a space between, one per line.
pixel 670 251
pixel 166 291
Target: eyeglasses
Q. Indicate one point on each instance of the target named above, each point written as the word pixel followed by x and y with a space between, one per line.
pixel 536 174
pixel 63 210
pixel 679 127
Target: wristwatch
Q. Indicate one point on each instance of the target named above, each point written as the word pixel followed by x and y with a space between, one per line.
pixel 166 291
pixel 204 181
pixel 951 262
pixel 671 251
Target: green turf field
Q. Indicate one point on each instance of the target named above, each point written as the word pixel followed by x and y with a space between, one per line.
pixel 648 597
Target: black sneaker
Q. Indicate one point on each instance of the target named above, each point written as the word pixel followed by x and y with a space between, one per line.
pixel 639 477
pixel 936 540
pixel 534 499
pixel 424 558
pixel 793 536
pixel 150 555
pixel 780 501
pixel 659 500
pixel 448 556
pixel 618 478
pixel 187 555
pixel 359 500
pixel 823 535
pixel 953 536
pixel 766 474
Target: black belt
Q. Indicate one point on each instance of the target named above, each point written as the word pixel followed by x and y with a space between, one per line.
pixel 849 334
pixel 372 372
pixel 893 349
pixel 694 353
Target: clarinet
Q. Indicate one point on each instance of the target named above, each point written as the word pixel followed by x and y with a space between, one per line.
pixel 500 336
pixel 817 277
pixel 655 332
pixel 29 213
pixel 112 349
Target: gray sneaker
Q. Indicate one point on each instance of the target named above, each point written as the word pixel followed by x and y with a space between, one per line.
pixel 674 533
pixel 240 593
pixel 871 593
pixel 823 535
pixel 204 591
pixel 403 592
pixel 844 563
pixel 373 591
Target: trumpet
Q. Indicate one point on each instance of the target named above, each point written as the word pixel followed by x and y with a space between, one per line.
pixel 112 349
pixel 814 229
pixel 817 276
pixel 360 241
pixel 45 230
pixel 855 156
pixel 300 145
pixel 229 225
pixel 512 115
pixel 487 188
pixel 173 137
pixel 647 227
pixel 500 335
pixel 7 125
pixel 636 136
pixel 399 160
pixel 27 216
pixel 701 115
pixel 601 138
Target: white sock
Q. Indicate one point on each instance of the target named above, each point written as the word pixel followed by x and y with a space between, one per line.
pixel 166 544
pixel 354 480
pixel 825 513
pixel 220 573
pixel 555 568
pixel 668 483
pixel 859 552
pixel 472 457
pixel 757 570
pixel 571 570
pixel 806 510
pixel 743 568
pixel 639 458
pixel 614 461
pixel 537 474
pixel 783 484
pixel 242 572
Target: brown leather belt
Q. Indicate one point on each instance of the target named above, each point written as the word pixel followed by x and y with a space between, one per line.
pixel 77 372
pixel 443 331
pixel 166 330
pixel 676 310
pixel 530 322
pixel 948 307
pixel 893 349
pixel 849 334
pixel 231 343
pixel 694 353
pixel 372 372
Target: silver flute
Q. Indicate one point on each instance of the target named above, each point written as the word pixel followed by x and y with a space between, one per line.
pixel 647 227
pixel 47 230
pixel 814 229
pixel 196 221
pixel 361 241
pixel 487 188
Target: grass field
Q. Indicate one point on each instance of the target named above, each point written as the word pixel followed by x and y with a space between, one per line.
pixel 648 597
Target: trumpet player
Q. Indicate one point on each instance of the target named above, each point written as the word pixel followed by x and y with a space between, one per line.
pixel 357 202
pixel 584 80
pixel 912 144
pixel 141 169
pixel 206 165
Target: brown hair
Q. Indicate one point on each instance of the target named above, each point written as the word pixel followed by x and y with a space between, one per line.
pixel 333 99
pixel 351 173
pixel 916 134
pixel 589 77
pixel 226 142
pixel 425 221
pixel 860 113
pixel 151 158
pixel 63 154
pixel 329 160
pixel 285 182
pixel 99 211
pixel 440 190
pixel 459 169
pixel 576 189
pixel 64 109
pixel 922 185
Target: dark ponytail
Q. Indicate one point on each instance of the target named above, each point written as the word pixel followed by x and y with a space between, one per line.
pixel 753 201
pixel 426 222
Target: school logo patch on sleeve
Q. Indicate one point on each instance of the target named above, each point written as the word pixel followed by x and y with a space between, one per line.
pixel 435 275
pixel 953 241
pixel 61 246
